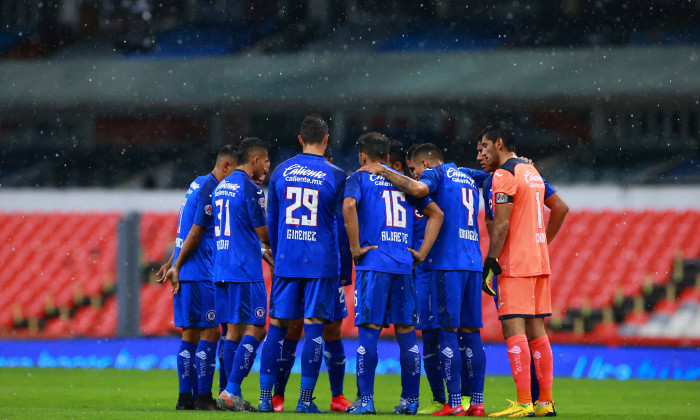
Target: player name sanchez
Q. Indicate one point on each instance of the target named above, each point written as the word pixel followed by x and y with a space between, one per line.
pixel 301 235
pixel 395 237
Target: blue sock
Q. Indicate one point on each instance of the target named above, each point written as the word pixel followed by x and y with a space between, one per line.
pixel 185 373
pixel 269 359
pixel 193 366
pixel 410 364
pixel 534 383
pixel 367 359
pixel 223 377
pixel 311 358
pixel 476 359
pixel 450 365
pixel 230 348
pixel 431 364
pixel 245 356
pixel 206 365
pixel 465 375
pixel 335 362
pixel 285 364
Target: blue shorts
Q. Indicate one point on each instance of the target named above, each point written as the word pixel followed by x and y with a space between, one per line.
pixel 247 303
pixel 384 298
pixel 194 305
pixel 426 301
pixel 340 307
pixel 221 302
pixel 455 309
pixel 295 298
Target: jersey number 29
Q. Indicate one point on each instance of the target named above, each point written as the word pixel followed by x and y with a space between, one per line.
pixel 306 197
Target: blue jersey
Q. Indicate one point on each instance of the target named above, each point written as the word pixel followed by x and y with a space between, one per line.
pixel 457 244
pixel 487 193
pixel 197 210
pixel 239 208
pixel 305 198
pixel 385 217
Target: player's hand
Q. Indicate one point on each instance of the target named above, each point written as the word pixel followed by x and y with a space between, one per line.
pixel 491 268
pixel 417 256
pixel 161 273
pixel 358 254
pixel 267 257
pixel 173 274
pixel 344 282
pixel 373 168
pixel 528 160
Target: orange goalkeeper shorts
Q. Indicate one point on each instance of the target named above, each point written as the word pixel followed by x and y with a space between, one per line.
pixel 526 297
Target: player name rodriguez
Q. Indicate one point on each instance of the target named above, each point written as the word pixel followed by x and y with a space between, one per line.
pixel 301 235
pixel 468 235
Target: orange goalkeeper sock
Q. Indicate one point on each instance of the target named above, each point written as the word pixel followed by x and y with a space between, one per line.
pixel 544 366
pixel 519 356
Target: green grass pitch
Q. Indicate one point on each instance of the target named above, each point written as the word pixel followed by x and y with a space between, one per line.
pixel 128 394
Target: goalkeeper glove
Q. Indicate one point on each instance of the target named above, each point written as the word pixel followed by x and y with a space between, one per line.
pixel 491 268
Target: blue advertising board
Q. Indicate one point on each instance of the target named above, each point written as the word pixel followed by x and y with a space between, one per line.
pixel 577 361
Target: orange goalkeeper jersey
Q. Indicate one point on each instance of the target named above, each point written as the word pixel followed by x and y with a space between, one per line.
pixel 525 252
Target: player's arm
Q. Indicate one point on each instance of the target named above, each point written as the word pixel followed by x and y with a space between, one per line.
pixel 272 214
pixel 164 268
pixel 488 220
pixel 194 236
pixel 432 229
pixel 407 185
pixel 499 230
pixel 558 209
pixel 344 250
pixel 477 175
pixel 352 227
pixel 263 234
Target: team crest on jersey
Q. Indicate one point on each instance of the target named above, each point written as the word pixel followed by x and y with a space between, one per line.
pixel 207 209
pixel 211 315
pixel 259 312
pixel 418 214
pixel 501 198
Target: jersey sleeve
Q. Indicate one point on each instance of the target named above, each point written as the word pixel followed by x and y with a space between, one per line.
pixel 431 178
pixel 419 203
pixel 255 200
pixel 343 248
pixel 504 186
pixel 353 187
pixel 477 175
pixel 548 189
pixel 203 212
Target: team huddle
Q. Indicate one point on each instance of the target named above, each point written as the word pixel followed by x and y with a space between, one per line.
pixel 408 222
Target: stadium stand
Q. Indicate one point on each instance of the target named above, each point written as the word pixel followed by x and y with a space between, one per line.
pixel 617 276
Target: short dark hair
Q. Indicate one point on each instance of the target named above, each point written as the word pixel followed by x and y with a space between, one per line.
pixel 248 147
pixel 500 130
pixel 429 151
pixel 411 150
pixel 227 150
pixel 374 145
pixel 397 153
pixel 313 129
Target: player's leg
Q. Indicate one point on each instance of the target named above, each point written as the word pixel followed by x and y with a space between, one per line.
pixel 284 307
pixel 318 308
pixel 334 354
pixel 251 310
pixel 426 306
pixel 541 349
pixel 513 308
pixel 220 355
pixel 402 313
pixel 449 309
pixel 471 347
pixel 221 302
pixel 203 298
pixel 186 371
pixel 371 299
pixel 286 362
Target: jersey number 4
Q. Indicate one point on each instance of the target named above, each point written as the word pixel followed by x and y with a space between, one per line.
pixel 306 197
pixel 468 201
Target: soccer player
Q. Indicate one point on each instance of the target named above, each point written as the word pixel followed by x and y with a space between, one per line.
pixel 191 277
pixel 454 261
pixel 305 195
pixel 381 249
pixel 240 227
pixel 518 254
pixel 334 352
pixel 558 210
